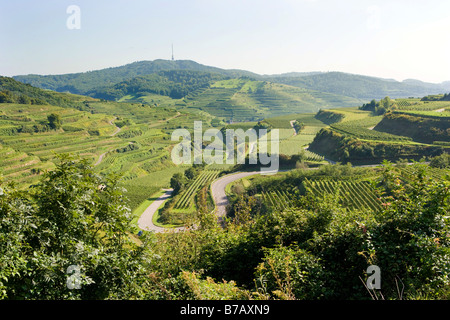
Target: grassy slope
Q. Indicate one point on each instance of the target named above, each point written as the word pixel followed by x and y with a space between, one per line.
pixel 90 134
pixel 250 100
pixel 421 128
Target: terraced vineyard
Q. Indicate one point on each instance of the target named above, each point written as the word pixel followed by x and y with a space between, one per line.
pixel 357 195
pixel 427 114
pixel 187 198
pixel 279 199
pixel 362 128
pixel 21 167
pixel 290 143
pixel 432 173
pixel 418 105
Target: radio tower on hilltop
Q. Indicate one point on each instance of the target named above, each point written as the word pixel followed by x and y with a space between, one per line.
pixel 172 53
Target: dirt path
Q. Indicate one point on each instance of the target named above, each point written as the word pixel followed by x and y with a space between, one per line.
pixel 292 125
pixel 118 129
pixel 163 121
pixel 100 159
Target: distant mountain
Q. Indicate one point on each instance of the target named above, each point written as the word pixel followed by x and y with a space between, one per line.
pixel 292 74
pixel 362 87
pixel 358 87
pixel 175 84
pixel 82 83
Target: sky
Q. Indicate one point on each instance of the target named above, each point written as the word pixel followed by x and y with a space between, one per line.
pixel 396 39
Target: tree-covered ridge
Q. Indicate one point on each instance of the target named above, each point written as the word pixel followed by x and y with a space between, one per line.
pixel 13 91
pixel 175 84
pixel 81 83
pixel 360 86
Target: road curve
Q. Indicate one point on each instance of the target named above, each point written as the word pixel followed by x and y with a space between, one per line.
pixel 218 190
pixel 145 221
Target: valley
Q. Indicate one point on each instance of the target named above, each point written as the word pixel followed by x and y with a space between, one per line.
pixel 347 164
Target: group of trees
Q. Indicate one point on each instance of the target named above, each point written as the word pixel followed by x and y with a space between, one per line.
pixel 320 250
pixel 298 126
pixel 70 237
pixel 7 96
pixel 379 107
pixel 67 238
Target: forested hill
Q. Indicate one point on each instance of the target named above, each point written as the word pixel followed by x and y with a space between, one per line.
pixel 12 91
pixel 82 83
pixel 173 83
pixel 360 86
pixel 344 84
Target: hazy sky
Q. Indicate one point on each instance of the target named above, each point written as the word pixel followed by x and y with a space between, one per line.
pixel 396 39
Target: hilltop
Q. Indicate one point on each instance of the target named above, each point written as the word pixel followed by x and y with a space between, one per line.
pixel 85 82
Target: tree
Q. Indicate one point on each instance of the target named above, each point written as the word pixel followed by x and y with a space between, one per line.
pixel 24 99
pixel 190 173
pixel 177 182
pixel 409 241
pixel 442 161
pixel 54 121
pixel 298 126
pixel 67 238
pixel 5 96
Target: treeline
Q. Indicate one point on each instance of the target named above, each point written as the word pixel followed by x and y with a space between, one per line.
pixel 357 86
pixel 173 83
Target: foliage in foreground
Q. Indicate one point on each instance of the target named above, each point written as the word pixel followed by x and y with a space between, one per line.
pixel 316 250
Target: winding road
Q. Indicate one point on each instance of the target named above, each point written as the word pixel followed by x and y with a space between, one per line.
pixel 218 190
pixel 145 221
pixel 220 198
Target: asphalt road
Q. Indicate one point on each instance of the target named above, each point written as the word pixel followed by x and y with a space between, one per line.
pixel 218 190
pixel 145 221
